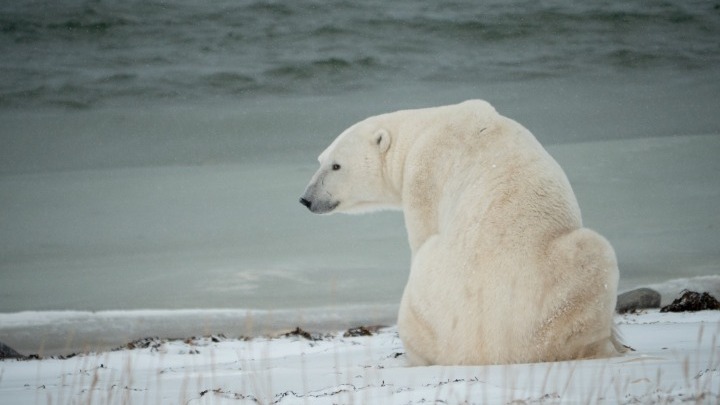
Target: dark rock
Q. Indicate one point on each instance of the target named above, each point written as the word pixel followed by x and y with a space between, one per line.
pixel 361 331
pixel 7 352
pixel 641 298
pixel 690 301
pixel 153 343
pixel 301 333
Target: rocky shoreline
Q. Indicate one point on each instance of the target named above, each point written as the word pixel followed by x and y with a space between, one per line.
pixel 647 298
pixel 628 302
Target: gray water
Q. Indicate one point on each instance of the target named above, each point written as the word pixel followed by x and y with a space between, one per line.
pixel 152 153
pixel 85 54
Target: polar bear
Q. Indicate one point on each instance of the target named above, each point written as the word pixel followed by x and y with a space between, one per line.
pixel 502 269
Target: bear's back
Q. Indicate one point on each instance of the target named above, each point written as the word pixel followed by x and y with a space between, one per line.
pixel 471 166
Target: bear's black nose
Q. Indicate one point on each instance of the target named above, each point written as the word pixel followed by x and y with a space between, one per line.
pixel 305 202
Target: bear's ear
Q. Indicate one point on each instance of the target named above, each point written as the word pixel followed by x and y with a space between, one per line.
pixel 382 140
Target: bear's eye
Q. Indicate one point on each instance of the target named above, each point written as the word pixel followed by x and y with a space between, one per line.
pixel 335 166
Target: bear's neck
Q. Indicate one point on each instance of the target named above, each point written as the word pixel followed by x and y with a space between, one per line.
pixel 422 185
pixel 415 166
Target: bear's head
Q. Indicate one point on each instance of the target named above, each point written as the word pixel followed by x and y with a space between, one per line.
pixel 351 177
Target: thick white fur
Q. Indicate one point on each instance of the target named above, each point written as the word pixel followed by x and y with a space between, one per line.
pixel 502 269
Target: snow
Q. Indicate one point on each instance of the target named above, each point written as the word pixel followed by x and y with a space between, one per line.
pixel 676 358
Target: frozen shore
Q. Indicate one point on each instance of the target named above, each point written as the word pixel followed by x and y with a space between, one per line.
pixel 59 333
pixel 233 235
pixel 676 357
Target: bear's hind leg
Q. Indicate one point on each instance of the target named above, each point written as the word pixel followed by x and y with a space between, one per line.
pixel 580 321
pixel 418 338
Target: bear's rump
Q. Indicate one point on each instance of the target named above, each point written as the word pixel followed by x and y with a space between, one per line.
pixel 486 308
pixel 462 304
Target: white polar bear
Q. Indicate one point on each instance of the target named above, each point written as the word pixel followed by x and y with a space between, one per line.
pixel 502 269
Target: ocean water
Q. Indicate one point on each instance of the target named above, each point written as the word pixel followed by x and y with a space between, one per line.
pixel 86 54
pixel 152 153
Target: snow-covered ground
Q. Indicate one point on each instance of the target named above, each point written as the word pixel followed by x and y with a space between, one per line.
pixel 53 333
pixel 676 358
